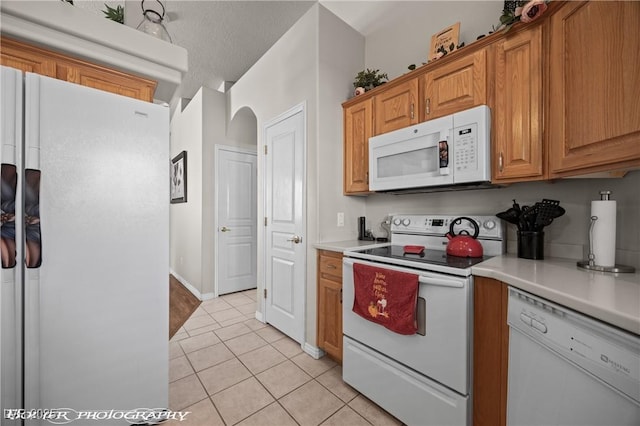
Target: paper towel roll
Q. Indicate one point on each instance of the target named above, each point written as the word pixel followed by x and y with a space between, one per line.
pixel 604 232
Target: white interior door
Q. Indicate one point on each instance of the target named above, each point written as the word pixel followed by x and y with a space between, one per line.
pixel 284 233
pixel 236 177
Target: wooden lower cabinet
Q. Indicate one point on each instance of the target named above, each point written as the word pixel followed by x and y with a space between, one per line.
pixel 490 352
pixel 29 58
pixel 330 303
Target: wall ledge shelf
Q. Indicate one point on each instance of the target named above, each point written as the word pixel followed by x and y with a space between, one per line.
pixel 76 32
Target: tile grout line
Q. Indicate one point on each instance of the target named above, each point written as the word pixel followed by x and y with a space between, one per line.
pixel 254 375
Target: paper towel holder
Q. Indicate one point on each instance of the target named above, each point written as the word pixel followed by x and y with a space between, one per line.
pixel 591 264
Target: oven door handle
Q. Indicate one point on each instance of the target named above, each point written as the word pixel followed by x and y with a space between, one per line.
pixel 442 282
pixel 422 279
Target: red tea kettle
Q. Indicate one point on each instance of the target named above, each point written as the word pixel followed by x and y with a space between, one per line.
pixel 463 245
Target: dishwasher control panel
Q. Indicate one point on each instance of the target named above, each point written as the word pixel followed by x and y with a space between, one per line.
pixel 603 350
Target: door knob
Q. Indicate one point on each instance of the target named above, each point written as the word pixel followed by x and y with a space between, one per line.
pixel 225 229
pixel 296 239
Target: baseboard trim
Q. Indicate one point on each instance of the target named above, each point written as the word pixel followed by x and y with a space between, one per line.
pixel 312 350
pixel 259 316
pixel 192 289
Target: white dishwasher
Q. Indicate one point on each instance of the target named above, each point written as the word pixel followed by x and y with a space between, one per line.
pixel 568 369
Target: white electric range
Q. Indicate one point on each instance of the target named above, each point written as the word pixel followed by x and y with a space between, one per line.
pixel 423 378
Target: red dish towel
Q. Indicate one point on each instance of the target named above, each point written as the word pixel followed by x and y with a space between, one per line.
pixel 386 297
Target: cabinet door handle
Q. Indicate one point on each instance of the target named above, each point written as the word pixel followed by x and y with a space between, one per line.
pixel 427 109
pixel 500 163
pixel 367 178
pixel 412 113
pixel 331 266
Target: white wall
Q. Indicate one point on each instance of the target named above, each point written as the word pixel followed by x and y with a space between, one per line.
pixel 284 77
pixel 314 63
pixel 243 129
pixel 341 56
pixel 186 218
pixel 214 130
pixel 196 130
pixel 406 39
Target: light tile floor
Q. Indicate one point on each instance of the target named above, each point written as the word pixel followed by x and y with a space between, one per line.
pixel 228 368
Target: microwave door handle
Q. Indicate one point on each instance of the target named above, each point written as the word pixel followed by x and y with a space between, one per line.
pixel 444 153
pixel 441 282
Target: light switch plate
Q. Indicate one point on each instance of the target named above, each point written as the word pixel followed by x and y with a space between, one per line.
pixel 340 219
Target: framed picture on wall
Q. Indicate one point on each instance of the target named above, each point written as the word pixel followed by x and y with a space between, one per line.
pixel 179 178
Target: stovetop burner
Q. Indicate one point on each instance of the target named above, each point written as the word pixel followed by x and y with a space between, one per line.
pixel 434 257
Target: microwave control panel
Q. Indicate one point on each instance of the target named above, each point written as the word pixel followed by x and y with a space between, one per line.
pixel 471 141
pixel 465 148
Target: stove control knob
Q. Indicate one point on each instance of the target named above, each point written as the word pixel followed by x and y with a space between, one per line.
pixel 397 222
pixel 490 224
pixel 406 222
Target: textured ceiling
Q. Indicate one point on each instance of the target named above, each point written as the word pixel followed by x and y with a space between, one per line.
pixel 225 38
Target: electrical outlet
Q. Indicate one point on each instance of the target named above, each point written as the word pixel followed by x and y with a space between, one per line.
pixel 340 219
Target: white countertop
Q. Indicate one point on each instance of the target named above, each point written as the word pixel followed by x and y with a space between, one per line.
pixel 342 246
pixel 612 298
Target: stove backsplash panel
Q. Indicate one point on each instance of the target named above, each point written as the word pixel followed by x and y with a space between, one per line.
pixel 566 237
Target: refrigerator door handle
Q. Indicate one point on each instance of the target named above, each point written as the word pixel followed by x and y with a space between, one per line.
pixel 31 181
pixel 32 234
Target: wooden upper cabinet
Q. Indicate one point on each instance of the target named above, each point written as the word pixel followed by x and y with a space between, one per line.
pixel 396 107
pixel 33 59
pixel 26 58
pixel 358 126
pixel 111 81
pixel 458 85
pixel 517 113
pixel 594 96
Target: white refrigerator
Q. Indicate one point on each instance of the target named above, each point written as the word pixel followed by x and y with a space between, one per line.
pixel 85 249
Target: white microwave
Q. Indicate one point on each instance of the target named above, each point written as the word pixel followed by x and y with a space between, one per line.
pixel 446 151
